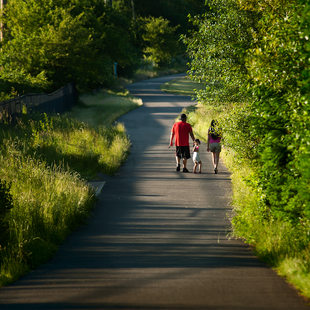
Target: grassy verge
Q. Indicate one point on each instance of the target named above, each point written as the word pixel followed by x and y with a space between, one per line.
pixel 45 161
pixel 147 70
pixel 283 246
pixel 103 107
pixel 183 86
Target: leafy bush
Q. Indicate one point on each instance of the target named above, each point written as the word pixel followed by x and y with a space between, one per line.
pixel 254 58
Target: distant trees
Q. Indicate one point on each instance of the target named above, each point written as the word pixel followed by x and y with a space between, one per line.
pixel 50 43
pixel 159 40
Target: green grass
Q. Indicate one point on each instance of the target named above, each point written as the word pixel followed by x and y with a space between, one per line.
pixel 49 201
pixel 104 107
pixel 147 70
pixel 283 246
pixel 183 86
pixel 47 161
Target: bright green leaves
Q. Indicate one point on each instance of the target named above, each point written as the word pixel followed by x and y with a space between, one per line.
pixel 159 40
pixel 257 53
pixel 50 43
pixel 217 50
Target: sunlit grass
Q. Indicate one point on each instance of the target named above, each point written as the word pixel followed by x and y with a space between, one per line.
pixel 104 107
pixel 183 86
pixel 296 272
pixel 147 70
pixel 47 160
pixel 49 201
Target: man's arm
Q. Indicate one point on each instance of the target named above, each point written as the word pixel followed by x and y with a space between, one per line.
pixel 171 138
pixel 192 136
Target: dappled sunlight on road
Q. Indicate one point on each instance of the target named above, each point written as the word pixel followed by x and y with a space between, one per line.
pixel 158 239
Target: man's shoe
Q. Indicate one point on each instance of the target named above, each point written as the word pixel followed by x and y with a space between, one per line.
pixel 185 170
pixel 178 168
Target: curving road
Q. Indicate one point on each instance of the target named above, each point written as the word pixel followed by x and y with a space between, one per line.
pixel 157 239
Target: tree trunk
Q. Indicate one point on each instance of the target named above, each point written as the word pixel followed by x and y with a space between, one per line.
pixel 133 9
pixel 1 25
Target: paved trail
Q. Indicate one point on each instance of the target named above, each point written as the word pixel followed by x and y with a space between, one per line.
pixel 158 238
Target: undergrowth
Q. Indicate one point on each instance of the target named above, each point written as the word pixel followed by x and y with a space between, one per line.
pixel 44 164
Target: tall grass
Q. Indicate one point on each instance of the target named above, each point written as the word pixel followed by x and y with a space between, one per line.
pixel 104 107
pixel 148 70
pixel 48 202
pixel 181 86
pixel 46 161
pixel 281 244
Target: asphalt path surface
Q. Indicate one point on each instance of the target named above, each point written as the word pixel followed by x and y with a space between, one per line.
pixel 158 239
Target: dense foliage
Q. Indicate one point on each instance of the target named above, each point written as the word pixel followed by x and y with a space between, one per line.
pixel 159 38
pixel 50 43
pixel 176 11
pixel 253 57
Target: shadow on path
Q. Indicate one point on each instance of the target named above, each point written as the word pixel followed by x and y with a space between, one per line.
pixel 157 238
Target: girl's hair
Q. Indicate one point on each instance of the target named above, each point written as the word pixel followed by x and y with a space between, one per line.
pixel 197 140
pixel 214 123
pixel 214 131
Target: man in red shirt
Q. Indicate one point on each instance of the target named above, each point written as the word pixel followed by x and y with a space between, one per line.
pixel 181 131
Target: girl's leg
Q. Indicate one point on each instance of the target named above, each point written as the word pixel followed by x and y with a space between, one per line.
pixel 213 159
pixel 195 167
pixel 216 160
pixel 200 165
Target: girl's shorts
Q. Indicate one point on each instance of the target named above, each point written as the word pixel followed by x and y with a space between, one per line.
pixel 215 147
pixel 196 157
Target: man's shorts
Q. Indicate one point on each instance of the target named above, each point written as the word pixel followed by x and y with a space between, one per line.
pixel 182 152
pixel 215 147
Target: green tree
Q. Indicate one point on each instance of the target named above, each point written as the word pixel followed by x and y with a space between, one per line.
pixel 159 38
pixel 217 50
pixel 257 53
pixel 42 39
pixel 50 43
pixel 176 11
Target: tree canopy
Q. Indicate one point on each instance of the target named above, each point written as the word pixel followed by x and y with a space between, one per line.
pixel 50 43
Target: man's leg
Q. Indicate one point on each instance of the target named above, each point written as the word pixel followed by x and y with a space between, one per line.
pixel 177 157
pixel 186 155
pixel 184 165
pixel 178 163
pixel 184 162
